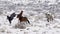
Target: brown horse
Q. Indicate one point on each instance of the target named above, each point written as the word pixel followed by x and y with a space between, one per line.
pixel 21 18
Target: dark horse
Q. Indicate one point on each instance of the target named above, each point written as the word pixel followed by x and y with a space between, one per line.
pixel 10 18
pixel 21 18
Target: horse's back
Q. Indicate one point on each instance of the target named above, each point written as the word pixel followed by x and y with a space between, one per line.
pixel 13 15
pixel 23 19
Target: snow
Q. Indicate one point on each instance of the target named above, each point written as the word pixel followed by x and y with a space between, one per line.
pixel 35 11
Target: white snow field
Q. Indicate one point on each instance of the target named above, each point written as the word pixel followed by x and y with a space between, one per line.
pixel 35 11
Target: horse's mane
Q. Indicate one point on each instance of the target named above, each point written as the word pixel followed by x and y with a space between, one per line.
pixel 20 15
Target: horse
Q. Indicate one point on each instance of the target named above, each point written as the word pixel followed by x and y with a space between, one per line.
pixel 21 18
pixel 10 18
pixel 49 17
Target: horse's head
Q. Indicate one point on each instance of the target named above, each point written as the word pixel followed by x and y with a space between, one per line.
pixel 21 11
pixel 20 15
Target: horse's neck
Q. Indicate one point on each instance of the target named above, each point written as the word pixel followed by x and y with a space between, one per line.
pixel 21 13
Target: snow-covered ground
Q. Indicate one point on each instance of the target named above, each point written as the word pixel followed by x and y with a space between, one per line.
pixel 35 11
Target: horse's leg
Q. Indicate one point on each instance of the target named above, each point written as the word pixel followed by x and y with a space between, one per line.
pixel 19 21
pixel 52 19
pixel 10 21
pixel 47 19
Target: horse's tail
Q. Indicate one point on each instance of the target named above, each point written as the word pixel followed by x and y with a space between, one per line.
pixel 28 21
